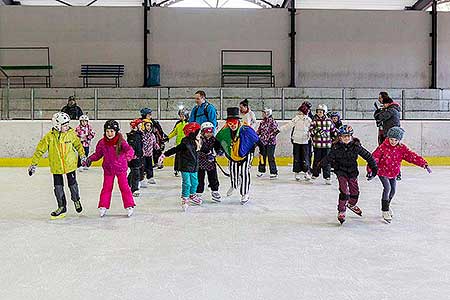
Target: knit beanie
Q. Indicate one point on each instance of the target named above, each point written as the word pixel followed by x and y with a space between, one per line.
pixel 396 133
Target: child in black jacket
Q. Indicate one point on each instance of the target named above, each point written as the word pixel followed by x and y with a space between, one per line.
pixel 134 139
pixel 344 157
pixel 186 161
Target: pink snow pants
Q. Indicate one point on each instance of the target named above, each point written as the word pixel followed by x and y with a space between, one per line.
pixel 108 184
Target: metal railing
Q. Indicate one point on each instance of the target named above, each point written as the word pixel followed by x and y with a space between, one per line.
pixel 36 103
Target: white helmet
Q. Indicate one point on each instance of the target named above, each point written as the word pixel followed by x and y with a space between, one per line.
pixel 59 119
pixel 84 118
pixel 322 107
pixel 206 125
pixel 267 111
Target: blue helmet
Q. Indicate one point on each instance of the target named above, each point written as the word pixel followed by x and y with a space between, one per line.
pixel 345 129
pixel 335 114
pixel 145 111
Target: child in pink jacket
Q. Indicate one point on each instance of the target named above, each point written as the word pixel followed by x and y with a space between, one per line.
pixel 116 153
pixel 389 156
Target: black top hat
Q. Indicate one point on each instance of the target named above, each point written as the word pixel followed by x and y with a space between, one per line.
pixel 233 113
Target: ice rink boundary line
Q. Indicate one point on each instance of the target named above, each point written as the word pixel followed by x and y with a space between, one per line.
pixel 281 161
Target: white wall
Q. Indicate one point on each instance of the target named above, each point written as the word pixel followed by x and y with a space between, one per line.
pixel 334 48
pixel 19 138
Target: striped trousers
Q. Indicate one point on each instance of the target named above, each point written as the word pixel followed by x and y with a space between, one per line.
pixel 240 174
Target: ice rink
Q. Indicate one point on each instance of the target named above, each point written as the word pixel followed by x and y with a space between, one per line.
pixel 285 244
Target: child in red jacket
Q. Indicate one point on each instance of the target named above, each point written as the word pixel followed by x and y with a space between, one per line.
pixel 389 156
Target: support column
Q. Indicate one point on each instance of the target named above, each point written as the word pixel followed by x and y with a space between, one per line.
pixel 146 33
pixel 434 49
pixel 292 34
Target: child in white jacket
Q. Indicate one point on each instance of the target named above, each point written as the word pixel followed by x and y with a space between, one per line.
pixel 299 126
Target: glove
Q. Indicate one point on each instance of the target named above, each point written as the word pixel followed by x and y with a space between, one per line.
pixel 86 162
pixel 372 174
pixel 31 170
pixel 210 157
pixel 428 169
pixel 161 159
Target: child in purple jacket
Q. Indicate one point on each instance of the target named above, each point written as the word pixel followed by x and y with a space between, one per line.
pixel 267 132
pixel 116 153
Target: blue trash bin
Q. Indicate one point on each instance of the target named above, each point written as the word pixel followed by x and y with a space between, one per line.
pixel 153 75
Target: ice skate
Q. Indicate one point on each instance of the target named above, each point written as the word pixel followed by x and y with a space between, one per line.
pixel 298 176
pixel 184 203
pixel 341 217
pixel 387 216
pixel 143 184
pixel 176 174
pixel 328 181
pixel 307 176
pixel 355 209
pixel 273 176
pixel 215 196
pixel 259 174
pixel 59 213
pixel 80 169
pixel 130 211
pixel 391 212
pixel 244 199
pixel 136 193
pixel 151 181
pixel 102 211
pixel 78 206
pixel 230 191
pixel 195 199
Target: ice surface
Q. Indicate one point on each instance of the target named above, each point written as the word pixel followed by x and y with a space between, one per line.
pixel 285 244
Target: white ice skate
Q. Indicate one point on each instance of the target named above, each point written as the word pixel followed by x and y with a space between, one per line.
pixel 244 199
pixel 273 176
pixel 391 212
pixel 80 169
pixel 230 191
pixel 102 211
pixel 328 181
pixel 143 184
pixel 136 193
pixel 387 216
pixel 298 176
pixel 307 176
pixel 151 181
pixel 185 203
pixel 259 174
pixel 130 211
pixel 215 196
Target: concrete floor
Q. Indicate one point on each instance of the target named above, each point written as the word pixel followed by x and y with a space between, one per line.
pixel 285 244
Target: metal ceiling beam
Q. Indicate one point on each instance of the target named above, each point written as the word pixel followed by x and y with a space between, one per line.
pixel 10 2
pixel 420 5
pixel 92 2
pixel 285 3
pixel 62 2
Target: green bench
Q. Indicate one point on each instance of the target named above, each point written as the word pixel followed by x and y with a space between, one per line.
pixel 263 74
pixel 11 70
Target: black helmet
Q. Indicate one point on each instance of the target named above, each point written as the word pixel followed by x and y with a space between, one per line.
pixel 111 124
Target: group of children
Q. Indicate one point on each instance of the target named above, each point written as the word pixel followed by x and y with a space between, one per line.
pixel 197 146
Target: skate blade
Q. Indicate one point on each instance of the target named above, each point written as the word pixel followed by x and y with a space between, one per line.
pixel 356 213
pixel 387 221
pixel 61 216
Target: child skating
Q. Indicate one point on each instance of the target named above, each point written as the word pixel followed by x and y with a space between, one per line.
pixel 210 147
pixel 322 131
pixel 177 130
pixel 301 142
pixel 62 145
pixel 134 139
pixel 238 142
pixel 150 144
pixel 116 154
pixel 389 156
pixel 186 161
pixel 267 132
pixel 344 158
pixel 85 133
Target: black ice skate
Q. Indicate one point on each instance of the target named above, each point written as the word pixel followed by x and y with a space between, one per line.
pixel 59 213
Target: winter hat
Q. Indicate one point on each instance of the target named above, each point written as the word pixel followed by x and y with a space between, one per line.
pixel 267 111
pixel 396 133
pixel 233 113
pixel 145 111
pixel 387 100
pixel 304 109
pixel 135 123
pixel 192 127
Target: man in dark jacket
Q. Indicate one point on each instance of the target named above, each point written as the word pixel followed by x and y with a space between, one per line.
pixel 72 109
pixel 387 117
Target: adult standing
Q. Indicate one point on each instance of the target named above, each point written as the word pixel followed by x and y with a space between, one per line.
pixel 203 111
pixel 248 117
pixel 72 109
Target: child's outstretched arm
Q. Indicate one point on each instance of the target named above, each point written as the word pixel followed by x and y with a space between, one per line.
pixel 414 158
pixel 99 150
pixel 171 152
pixel 371 163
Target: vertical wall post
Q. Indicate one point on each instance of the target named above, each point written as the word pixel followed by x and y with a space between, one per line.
pixel 96 104
pixel 292 36
pixel 146 33
pixel 434 29
pixel 32 104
